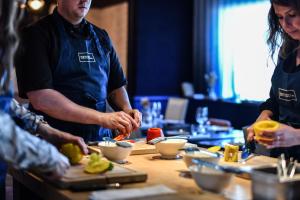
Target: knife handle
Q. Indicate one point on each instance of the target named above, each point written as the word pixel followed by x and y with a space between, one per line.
pixel 90 187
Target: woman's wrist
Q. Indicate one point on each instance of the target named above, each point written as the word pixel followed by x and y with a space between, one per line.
pixel 265 115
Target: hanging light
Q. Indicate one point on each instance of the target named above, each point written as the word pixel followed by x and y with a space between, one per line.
pixel 36 4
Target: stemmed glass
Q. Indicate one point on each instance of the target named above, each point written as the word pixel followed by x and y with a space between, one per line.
pixel 202 118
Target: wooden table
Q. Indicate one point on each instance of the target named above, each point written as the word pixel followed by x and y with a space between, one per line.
pixel 28 186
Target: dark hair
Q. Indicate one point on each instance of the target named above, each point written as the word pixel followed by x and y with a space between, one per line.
pixel 10 15
pixel 287 44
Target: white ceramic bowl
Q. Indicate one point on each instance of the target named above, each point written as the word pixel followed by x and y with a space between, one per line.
pixel 210 179
pixel 170 147
pixel 113 152
pixel 187 158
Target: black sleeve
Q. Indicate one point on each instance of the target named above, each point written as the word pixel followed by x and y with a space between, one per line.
pixel 116 75
pixel 271 104
pixel 33 61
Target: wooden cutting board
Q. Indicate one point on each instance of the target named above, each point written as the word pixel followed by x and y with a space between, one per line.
pixel 258 161
pixel 140 147
pixel 77 179
pixel 255 162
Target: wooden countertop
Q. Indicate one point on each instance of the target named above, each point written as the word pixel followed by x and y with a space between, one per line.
pixel 159 172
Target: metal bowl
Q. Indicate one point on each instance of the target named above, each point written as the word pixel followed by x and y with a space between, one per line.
pixel 210 179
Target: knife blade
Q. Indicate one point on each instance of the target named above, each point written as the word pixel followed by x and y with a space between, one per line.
pixel 215 154
pixel 193 149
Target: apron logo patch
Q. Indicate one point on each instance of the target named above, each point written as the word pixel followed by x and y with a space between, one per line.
pixel 287 95
pixel 86 57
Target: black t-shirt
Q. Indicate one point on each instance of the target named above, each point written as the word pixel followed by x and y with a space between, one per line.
pixel 39 51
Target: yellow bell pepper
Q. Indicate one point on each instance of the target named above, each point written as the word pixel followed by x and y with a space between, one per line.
pixel 72 152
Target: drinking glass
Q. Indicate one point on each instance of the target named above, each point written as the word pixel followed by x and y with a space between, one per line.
pixel 156 113
pixel 202 118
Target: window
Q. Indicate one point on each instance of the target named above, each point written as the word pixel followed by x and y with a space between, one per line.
pixel 243 53
pixel 233 34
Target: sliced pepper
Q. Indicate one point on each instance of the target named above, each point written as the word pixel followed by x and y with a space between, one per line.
pixel 214 149
pixel 120 137
pixel 97 165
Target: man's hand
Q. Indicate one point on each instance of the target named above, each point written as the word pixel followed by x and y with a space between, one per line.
pixel 137 117
pixel 121 121
pixel 57 137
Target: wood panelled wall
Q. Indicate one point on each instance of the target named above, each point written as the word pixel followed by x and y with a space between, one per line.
pixel 114 19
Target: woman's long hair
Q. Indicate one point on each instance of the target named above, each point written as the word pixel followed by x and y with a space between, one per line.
pixel 10 14
pixel 286 43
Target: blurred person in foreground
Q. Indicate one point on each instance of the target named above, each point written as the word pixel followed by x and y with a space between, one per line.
pixel 19 148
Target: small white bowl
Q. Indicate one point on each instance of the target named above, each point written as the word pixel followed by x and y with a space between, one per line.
pixel 113 152
pixel 187 158
pixel 170 147
pixel 210 179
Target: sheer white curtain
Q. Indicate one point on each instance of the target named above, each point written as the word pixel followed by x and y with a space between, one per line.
pixel 243 52
pixel 230 40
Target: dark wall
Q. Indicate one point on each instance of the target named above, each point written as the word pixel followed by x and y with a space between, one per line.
pixel 161 46
pixel 160 59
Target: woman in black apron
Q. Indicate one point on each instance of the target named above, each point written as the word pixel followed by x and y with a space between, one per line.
pixel 284 102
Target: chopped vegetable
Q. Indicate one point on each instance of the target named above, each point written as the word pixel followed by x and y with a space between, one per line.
pixel 120 137
pixel 231 153
pixel 214 149
pixel 97 165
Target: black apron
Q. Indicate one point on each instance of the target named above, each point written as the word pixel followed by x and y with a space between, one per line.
pixel 82 76
pixel 286 87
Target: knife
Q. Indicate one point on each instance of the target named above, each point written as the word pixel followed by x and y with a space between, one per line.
pixel 89 187
pixel 93 143
pixel 213 154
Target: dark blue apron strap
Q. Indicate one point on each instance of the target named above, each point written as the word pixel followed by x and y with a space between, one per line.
pixel 97 42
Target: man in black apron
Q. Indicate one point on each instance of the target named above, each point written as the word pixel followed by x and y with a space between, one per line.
pixel 68 69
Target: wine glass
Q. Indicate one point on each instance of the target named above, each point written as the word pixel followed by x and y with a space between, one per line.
pixel 202 118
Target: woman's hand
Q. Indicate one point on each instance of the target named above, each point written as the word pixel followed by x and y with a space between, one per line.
pixel 285 136
pixel 264 115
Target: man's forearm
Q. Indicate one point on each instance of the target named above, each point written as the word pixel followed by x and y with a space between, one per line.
pixel 119 99
pixel 60 107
